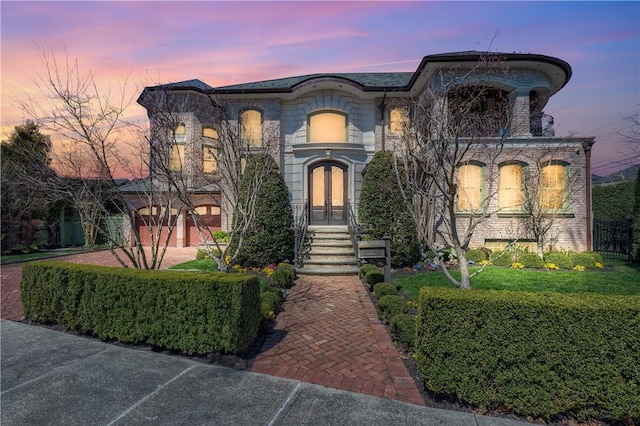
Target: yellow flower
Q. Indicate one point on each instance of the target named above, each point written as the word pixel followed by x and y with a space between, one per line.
pixel 227 259
pixel 517 265
pixel 579 268
pixel 551 266
pixel 599 265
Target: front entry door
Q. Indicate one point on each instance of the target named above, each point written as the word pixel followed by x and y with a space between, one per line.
pixel 328 189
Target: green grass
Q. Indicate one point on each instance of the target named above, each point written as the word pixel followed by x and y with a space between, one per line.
pixel 618 278
pixel 40 254
pixel 198 264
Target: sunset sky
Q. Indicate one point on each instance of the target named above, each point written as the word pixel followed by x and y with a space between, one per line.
pixel 224 43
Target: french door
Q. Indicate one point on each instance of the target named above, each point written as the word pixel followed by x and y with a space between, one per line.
pixel 328 189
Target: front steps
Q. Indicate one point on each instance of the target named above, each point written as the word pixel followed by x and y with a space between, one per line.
pixel 330 252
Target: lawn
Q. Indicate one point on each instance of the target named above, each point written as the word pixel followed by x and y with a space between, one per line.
pixel 618 278
pixel 198 264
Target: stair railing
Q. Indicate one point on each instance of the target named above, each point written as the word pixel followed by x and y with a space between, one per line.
pixel 300 226
pixel 354 229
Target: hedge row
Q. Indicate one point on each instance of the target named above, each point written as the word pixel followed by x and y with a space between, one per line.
pixel 193 312
pixel 537 354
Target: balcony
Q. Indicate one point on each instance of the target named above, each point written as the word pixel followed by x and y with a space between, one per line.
pixel 496 124
pixel 541 124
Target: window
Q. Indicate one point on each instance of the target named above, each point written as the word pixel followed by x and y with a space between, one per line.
pixel 510 187
pixel 328 127
pixel 398 120
pixel 469 187
pixel 176 158
pixel 180 131
pixel 209 158
pixel 210 132
pixel 553 186
pixel 251 127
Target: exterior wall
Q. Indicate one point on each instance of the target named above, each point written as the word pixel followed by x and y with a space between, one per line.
pixel 569 230
pixel 299 154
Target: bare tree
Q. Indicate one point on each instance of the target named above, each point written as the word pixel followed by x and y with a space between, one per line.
pixel 89 121
pixel 458 130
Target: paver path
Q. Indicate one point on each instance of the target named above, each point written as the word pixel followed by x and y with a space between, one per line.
pixel 329 334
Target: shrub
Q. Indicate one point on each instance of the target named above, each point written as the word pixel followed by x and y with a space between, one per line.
pixel 392 305
pixel 373 277
pixel 383 289
pixel 531 260
pixel 269 305
pixel 476 255
pixel 270 235
pixel 221 236
pixel 284 276
pixel 597 257
pixel 583 259
pixel 560 259
pixel 536 354
pixel 203 254
pixel 501 258
pixel 382 210
pixel 403 328
pixel 194 312
pixel 366 268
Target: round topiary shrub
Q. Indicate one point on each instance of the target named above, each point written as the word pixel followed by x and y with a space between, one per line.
pixel 477 255
pixel 583 259
pixel 374 277
pixel 383 289
pixel 501 258
pixel 269 305
pixel 403 328
pixel 560 259
pixel 366 268
pixel 392 305
pixel 531 260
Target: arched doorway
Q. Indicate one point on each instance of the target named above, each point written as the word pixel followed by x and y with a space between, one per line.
pixel 328 194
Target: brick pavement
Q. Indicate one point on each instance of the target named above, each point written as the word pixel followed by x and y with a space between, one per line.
pixel 329 334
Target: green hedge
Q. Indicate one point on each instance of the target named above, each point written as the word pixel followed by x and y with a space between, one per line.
pixel 188 311
pixel 537 354
pixel 383 289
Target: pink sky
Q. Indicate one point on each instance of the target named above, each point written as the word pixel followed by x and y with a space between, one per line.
pixel 224 43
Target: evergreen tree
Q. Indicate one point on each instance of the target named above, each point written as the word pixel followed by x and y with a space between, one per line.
pixel 270 238
pixel 636 219
pixel 382 211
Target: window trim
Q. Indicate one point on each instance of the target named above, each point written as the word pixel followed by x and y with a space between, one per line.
pixel 331 111
pixel 483 188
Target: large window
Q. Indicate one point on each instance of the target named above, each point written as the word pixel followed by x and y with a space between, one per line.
pixel 510 187
pixel 251 127
pixel 176 158
pixel 209 158
pixel 327 127
pixel 210 133
pixel 398 120
pixel 553 179
pixel 470 183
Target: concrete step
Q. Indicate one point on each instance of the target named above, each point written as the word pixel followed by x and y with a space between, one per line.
pixel 327 270
pixel 322 229
pixel 346 250
pixel 330 260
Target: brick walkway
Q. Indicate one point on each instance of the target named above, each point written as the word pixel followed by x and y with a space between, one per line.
pixel 329 334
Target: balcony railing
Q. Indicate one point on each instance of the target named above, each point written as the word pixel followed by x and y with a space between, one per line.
pixel 495 124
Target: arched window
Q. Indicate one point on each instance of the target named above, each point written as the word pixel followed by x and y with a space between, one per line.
pixel 470 186
pixel 510 186
pixel 251 127
pixel 553 186
pixel 210 133
pixel 398 120
pixel 327 127
pixel 176 157
pixel 180 130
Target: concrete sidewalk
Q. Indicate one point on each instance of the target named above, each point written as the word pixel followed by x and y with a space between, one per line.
pixel 51 378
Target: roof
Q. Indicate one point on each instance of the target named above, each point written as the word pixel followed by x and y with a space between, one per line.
pixel 392 81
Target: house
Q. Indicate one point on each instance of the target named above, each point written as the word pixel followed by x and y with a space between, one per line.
pixel 324 129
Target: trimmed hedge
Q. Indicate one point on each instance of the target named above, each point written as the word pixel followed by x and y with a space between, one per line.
pixel 392 305
pixel 477 255
pixel 193 312
pixel 403 328
pixel 531 260
pixel 537 354
pixel 374 277
pixel 583 259
pixel 284 276
pixel 560 259
pixel 501 258
pixel 366 268
pixel 383 289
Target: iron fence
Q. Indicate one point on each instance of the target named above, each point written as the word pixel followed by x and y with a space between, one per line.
pixel 613 238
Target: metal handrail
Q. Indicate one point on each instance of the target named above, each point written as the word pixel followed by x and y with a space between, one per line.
pixel 300 232
pixel 354 229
